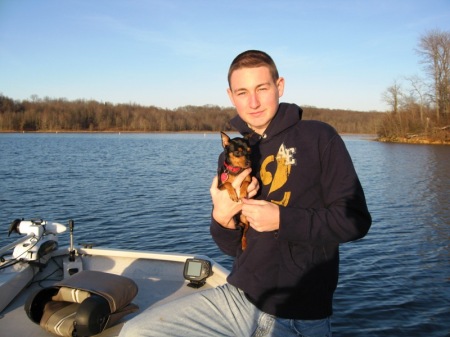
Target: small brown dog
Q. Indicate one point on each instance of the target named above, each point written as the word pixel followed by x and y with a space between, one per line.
pixel 237 158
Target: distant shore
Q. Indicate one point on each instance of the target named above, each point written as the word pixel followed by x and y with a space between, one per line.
pixel 400 140
pixel 413 140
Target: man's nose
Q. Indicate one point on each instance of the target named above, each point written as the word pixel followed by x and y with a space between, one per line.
pixel 254 101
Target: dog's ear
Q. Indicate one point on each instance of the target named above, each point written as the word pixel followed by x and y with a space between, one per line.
pixel 225 139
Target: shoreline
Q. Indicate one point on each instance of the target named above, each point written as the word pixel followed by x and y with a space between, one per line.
pixel 415 140
pixel 393 140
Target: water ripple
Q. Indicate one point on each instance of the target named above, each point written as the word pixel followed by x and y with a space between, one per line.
pixel 151 192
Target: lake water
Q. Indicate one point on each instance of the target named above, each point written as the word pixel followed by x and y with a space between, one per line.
pixel 151 192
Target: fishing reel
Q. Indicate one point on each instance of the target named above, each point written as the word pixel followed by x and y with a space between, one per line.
pixel 40 238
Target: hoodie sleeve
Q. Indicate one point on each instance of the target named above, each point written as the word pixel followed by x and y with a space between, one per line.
pixel 343 215
pixel 228 240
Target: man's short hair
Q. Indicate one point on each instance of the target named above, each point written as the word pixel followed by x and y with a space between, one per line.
pixel 253 59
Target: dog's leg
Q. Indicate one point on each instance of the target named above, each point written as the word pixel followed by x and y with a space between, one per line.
pixel 243 189
pixel 231 191
pixel 245 225
pixel 243 219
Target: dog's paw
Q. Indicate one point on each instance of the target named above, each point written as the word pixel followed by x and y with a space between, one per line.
pixel 235 198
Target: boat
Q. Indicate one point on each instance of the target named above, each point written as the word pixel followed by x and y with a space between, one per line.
pixel 35 262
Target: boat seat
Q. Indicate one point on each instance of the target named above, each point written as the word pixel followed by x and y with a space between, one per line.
pixel 84 304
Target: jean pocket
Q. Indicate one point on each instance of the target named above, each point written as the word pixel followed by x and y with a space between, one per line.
pixel 312 328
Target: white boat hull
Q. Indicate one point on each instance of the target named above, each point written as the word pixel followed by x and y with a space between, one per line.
pixel 159 277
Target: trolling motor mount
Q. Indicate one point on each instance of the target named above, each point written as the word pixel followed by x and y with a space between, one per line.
pixel 40 238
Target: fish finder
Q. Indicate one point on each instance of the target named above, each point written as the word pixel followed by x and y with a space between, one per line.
pixel 196 271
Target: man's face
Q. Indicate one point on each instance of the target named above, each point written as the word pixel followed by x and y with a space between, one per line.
pixel 255 95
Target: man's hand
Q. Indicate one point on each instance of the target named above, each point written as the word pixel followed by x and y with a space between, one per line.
pixel 262 215
pixel 224 208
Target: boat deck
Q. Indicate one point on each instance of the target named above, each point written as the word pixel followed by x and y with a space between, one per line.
pixel 158 276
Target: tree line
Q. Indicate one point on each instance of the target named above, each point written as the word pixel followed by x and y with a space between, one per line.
pixel 59 115
pixel 420 104
pixel 419 108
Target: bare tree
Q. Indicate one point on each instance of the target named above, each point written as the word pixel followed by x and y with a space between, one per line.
pixel 418 92
pixel 434 48
pixel 392 96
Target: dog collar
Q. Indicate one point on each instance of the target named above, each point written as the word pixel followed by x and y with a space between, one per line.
pixel 233 169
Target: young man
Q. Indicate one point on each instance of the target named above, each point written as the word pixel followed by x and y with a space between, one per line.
pixel 304 200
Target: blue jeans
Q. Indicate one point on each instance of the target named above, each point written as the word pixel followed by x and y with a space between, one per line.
pixel 222 311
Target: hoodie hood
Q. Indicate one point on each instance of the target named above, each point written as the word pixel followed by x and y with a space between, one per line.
pixel 287 115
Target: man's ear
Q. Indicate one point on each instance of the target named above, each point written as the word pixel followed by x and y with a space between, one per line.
pixel 280 86
pixel 230 96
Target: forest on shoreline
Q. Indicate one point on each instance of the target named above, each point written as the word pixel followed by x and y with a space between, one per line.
pixel 61 115
pixel 420 105
pixel 419 109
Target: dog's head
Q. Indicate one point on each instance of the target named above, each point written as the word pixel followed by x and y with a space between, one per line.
pixel 237 151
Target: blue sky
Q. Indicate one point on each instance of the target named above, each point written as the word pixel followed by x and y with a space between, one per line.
pixel 169 53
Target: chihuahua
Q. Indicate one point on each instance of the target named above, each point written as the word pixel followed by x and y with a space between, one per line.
pixel 237 158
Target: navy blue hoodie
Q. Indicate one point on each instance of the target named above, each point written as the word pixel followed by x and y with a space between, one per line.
pixel 304 167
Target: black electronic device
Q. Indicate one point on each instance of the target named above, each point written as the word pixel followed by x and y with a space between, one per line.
pixel 196 271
